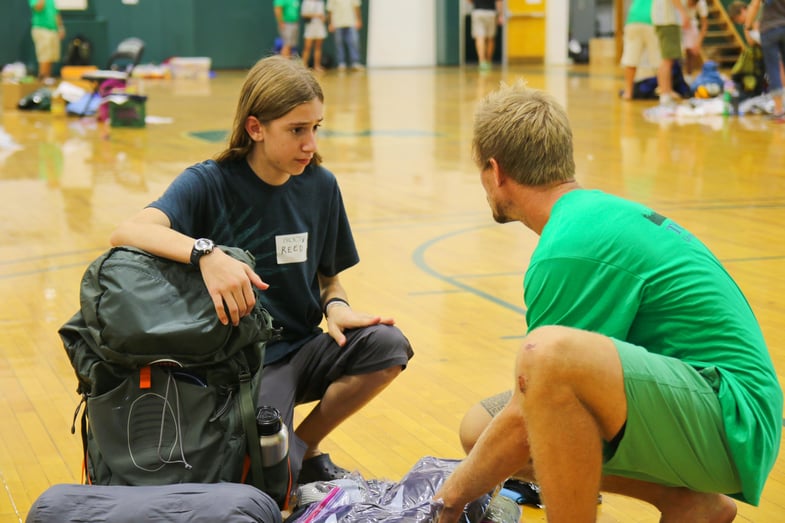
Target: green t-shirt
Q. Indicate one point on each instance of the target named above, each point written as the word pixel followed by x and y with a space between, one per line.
pixel 612 266
pixel 639 12
pixel 46 18
pixel 291 10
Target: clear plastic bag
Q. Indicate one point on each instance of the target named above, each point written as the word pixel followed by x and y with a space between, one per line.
pixel 355 500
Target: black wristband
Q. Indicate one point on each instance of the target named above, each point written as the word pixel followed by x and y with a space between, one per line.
pixel 333 300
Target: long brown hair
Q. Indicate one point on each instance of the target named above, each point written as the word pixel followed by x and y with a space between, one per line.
pixel 274 86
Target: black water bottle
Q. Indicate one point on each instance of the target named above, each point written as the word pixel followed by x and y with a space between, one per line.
pixel 274 443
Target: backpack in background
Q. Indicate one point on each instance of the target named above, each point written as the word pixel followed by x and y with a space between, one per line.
pixel 709 79
pixel 646 88
pixel 748 72
pixel 78 51
pixel 169 391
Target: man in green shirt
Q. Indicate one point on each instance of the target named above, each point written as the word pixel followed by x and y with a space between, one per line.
pixel 644 371
pixel 47 32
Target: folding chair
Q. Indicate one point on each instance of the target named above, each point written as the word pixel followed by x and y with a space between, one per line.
pixel 119 66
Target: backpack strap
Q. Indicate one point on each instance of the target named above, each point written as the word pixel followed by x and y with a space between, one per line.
pixel 249 424
pixel 248 416
pixel 83 426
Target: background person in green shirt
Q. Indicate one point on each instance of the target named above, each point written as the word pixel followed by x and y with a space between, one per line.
pixel 640 42
pixel 47 32
pixel 287 14
pixel 644 371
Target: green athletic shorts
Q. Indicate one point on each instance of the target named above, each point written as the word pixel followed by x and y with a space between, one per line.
pixel 674 433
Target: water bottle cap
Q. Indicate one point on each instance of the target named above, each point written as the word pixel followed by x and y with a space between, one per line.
pixel 268 420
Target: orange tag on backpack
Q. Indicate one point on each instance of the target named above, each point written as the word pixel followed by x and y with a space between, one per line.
pixel 145 377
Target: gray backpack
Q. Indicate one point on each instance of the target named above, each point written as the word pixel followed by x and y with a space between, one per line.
pixel 168 390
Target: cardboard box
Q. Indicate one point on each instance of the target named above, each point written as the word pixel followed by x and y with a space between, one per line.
pixel 14 90
pixel 602 51
pixel 75 72
pixel 194 68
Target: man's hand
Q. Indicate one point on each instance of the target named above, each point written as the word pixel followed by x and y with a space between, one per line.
pixel 446 514
pixel 230 283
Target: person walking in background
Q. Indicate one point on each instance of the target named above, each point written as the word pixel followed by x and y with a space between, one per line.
pixel 692 37
pixel 268 194
pixel 643 371
pixel 315 32
pixel 669 18
pixel 772 43
pixel 287 14
pixel 486 16
pixel 345 21
pixel 47 32
pixel 640 41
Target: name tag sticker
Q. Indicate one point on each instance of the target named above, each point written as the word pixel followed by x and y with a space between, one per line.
pixel 291 248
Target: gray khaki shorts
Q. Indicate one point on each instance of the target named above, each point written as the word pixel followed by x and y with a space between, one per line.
pixel 290 34
pixel 484 23
pixel 304 375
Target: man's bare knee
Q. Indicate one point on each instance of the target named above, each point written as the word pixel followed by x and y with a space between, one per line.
pixel 473 423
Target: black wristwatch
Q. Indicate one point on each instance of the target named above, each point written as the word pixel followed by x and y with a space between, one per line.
pixel 202 246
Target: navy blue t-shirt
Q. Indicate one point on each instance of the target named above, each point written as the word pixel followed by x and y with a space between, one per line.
pixel 295 231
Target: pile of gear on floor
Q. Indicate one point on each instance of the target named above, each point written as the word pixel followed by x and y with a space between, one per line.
pixel 351 499
pixel 743 92
pixel 170 430
pixel 354 499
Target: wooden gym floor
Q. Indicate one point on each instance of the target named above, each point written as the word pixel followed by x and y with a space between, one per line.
pixel 432 257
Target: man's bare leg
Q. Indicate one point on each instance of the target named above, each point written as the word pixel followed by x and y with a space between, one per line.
pixel 479 45
pixel 473 423
pixel 490 45
pixel 569 457
pixel 676 504
pixel 44 70
pixel 573 399
pixel 629 82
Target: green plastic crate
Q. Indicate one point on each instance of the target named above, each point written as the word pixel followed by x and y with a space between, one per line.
pixel 127 110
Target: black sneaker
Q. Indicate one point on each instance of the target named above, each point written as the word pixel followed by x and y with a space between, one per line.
pixel 320 468
pixel 528 493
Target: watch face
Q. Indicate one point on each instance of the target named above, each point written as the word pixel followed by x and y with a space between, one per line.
pixel 204 245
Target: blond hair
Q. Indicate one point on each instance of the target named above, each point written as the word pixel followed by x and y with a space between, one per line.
pixel 274 86
pixel 528 134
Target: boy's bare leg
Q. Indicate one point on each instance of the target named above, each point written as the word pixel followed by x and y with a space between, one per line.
pixel 343 397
